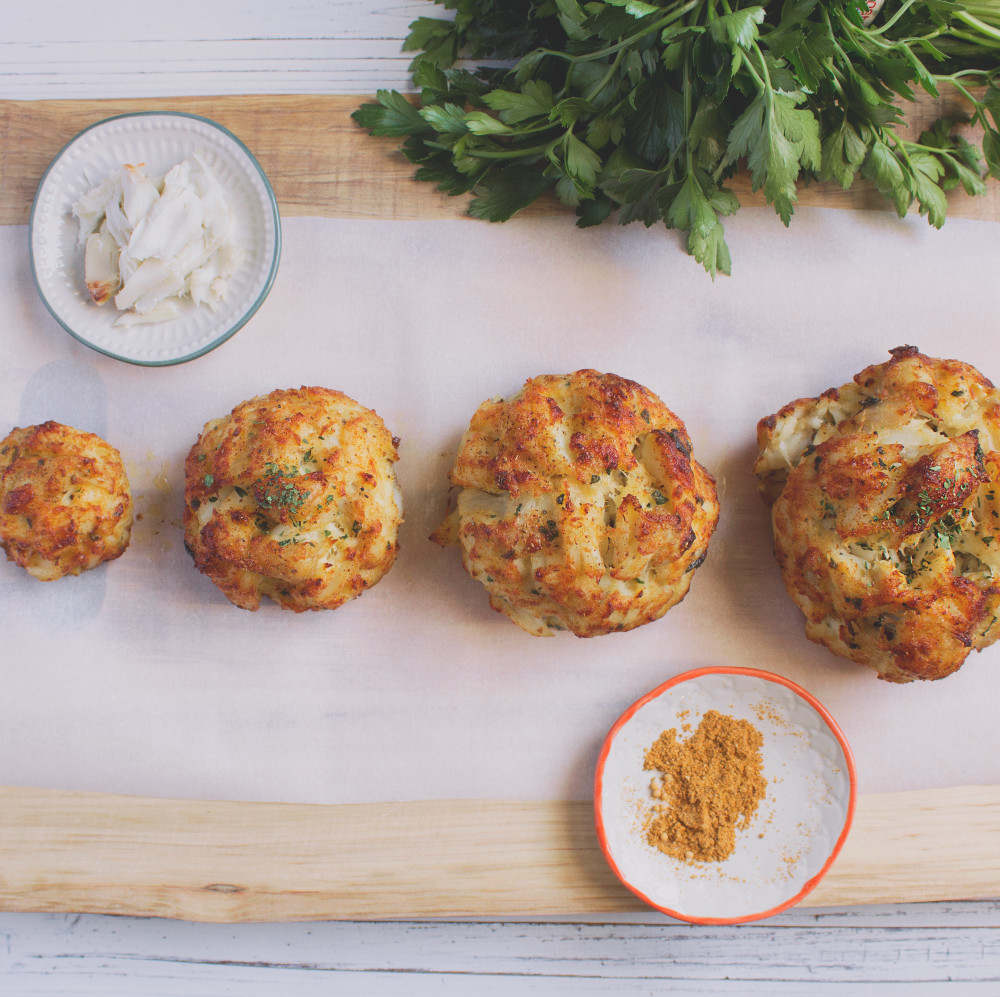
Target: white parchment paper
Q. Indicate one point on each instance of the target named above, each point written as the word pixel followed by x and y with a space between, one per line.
pixel 140 677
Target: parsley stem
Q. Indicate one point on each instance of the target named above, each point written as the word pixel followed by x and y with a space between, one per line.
pixel 689 152
pixel 763 78
pixel 606 78
pixel 961 88
pixel 978 40
pixel 629 40
pixel 974 22
pixel 953 78
pixel 903 8
pixel 534 150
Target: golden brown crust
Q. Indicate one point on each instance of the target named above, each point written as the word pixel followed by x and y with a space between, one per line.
pixel 65 501
pixel 580 506
pixel 293 496
pixel 886 513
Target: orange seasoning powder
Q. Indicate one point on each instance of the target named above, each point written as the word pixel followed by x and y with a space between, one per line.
pixel 707 788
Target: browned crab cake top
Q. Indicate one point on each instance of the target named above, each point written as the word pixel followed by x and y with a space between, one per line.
pixel 886 514
pixel 65 501
pixel 293 496
pixel 580 506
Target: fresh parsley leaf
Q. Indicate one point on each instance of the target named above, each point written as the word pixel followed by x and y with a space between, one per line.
pixel 393 115
pixel 506 190
pixel 843 152
pixel 778 139
pixel 533 100
pixel 635 8
pixel 447 119
pixel 688 206
pixel 738 28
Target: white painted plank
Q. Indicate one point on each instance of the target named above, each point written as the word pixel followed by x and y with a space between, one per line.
pixel 949 914
pixel 129 20
pixel 302 983
pixel 755 956
pixel 62 48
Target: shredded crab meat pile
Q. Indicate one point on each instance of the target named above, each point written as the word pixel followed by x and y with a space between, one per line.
pixel 151 242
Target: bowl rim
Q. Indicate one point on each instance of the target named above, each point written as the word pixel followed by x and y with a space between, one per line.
pixel 695 673
pixel 272 203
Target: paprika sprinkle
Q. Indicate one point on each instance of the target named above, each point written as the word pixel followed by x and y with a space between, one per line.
pixel 708 787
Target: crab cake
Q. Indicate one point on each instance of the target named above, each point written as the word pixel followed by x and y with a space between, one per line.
pixel 579 505
pixel 65 500
pixel 293 496
pixel 886 513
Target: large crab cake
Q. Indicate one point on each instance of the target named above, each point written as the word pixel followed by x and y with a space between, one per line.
pixel 293 496
pixel 579 505
pixel 65 500
pixel 886 513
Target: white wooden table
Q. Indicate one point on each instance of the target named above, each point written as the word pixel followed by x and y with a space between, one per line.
pixel 117 48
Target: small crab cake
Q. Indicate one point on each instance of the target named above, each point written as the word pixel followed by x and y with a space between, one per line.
pixel 293 496
pixel 886 513
pixel 580 506
pixel 65 501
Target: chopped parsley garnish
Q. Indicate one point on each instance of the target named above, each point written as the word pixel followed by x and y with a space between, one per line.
pixel 287 497
pixel 550 531
pixel 274 492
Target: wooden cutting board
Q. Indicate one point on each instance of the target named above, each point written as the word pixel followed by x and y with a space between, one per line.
pixel 321 163
pixel 62 851
pixel 279 862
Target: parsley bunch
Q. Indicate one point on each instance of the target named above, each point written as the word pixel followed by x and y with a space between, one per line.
pixel 647 108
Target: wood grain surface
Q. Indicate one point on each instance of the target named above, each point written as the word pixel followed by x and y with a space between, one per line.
pixel 232 862
pixel 322 164
pixel 253 862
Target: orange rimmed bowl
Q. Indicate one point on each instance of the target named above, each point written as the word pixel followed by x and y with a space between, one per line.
pixel 793 838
